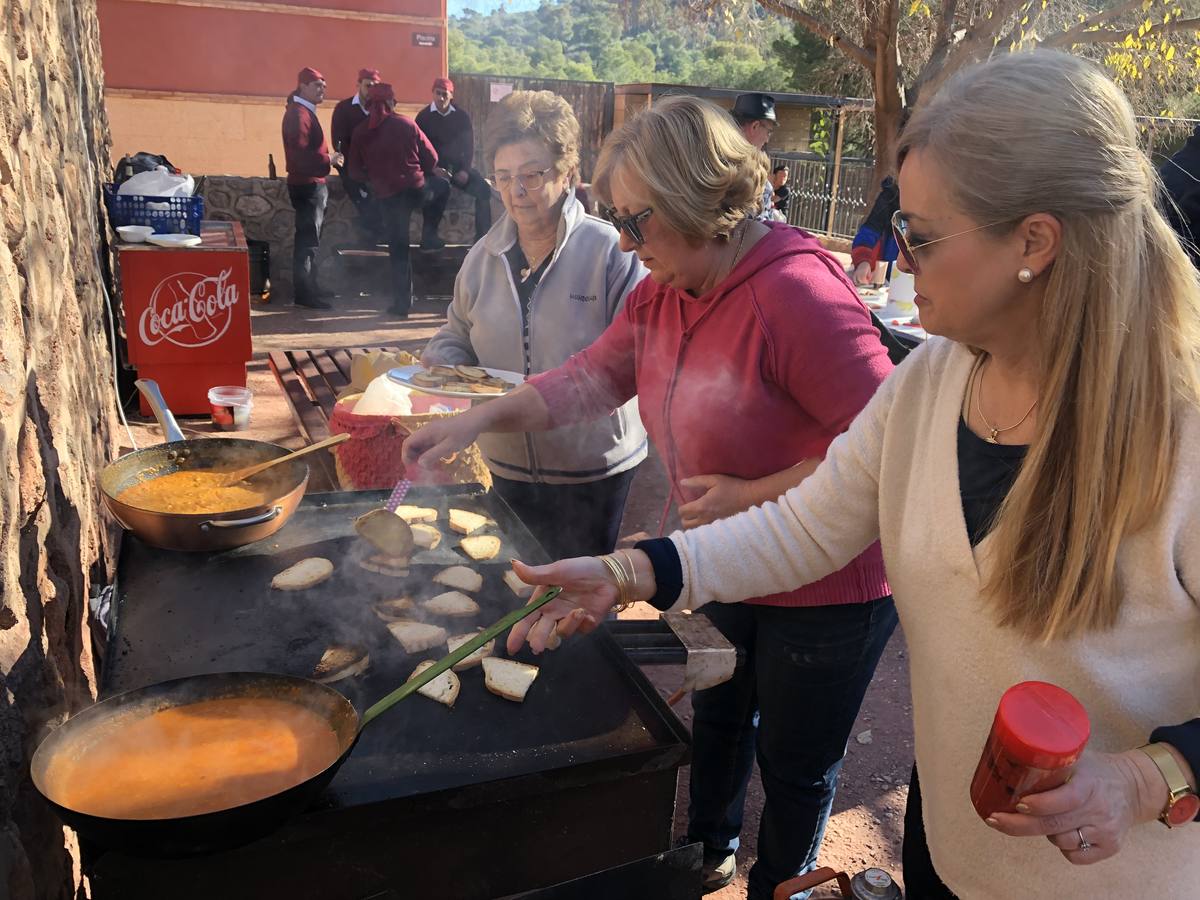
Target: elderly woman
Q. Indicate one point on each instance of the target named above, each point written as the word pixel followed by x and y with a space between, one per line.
pixel 748 351
pixel 544 283
pixel 1032 477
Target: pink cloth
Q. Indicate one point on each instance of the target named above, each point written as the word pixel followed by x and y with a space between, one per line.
pixel 758 374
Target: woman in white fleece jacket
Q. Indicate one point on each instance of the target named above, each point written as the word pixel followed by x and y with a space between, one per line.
pixel 1031 477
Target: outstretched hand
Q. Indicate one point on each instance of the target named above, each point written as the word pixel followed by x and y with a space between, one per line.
pixel 588 593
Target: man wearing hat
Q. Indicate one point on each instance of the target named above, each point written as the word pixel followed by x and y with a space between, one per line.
pixel 308 161
pixel 395 157
pixel 347 116
pixel 449 129
pixel 755 115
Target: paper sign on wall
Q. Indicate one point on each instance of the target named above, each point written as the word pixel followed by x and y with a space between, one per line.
pixel 500 90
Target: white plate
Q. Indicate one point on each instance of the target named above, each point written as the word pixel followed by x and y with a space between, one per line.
pixel 404 374
pixel 134 234
pixel 175 240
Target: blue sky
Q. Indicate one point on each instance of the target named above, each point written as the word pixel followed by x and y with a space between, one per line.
pixel 456 7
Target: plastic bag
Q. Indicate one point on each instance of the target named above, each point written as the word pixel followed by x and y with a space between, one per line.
pixel 158 183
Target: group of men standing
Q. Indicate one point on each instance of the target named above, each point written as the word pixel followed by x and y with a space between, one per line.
pixel 390 166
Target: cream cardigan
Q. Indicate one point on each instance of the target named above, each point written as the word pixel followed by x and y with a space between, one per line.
pixel 893 477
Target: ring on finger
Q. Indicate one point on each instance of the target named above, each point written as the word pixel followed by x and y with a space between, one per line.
pixel 1084 843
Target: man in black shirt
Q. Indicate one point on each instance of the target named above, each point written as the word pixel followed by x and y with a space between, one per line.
pixel 449 130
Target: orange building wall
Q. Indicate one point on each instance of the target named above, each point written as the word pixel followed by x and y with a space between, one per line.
pixel 205 81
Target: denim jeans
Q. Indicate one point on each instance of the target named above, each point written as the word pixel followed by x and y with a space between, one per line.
pixel 308 200
pixel 793 703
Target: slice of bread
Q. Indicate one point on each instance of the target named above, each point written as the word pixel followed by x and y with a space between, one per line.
pixel 508 678
pixel 341 661
pixel 518 587
pixel 475 658
pixel 397 609
pixel 426 537
pixel 460 578
pixel 385 565
pixel 481 547
pixel 386 532
pixel 303 575
pixel 465 522
pixel 414 514
pixel 451 604
pixel 417 637
pixel 443 689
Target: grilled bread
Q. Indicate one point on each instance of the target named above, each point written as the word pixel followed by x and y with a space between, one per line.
pixel 397 609
pixel 426 537
pixel 386 565
pixel 451 604
pixel 508 678
pixel 303 575
pixel 341 661
pixel 456 641
pixel 481 547
pixel 417 637
pixel 413 514
pixel 471 373
pixel 465 522
pixel 443 689
pixel 386 532
pixel 518 587
pixel 460 578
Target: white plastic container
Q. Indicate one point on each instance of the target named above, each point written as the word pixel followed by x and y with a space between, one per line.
pixel 902 293
pixel 231 407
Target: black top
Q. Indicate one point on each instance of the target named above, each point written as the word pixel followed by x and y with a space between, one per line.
pixel 525 288
pixel 451 135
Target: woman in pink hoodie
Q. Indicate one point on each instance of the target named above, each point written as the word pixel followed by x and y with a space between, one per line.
pixel 749 352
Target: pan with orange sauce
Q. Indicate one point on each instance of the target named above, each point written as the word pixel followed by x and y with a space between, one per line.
pixel 192 759
pixel 192 492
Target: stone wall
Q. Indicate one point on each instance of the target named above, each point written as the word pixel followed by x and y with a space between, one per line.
pixel 263 208
pixel 56 407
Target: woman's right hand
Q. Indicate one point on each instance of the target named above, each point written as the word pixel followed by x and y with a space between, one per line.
pixel 438 442
pixel 588 593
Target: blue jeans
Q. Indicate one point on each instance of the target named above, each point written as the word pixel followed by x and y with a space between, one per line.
pixel 793 702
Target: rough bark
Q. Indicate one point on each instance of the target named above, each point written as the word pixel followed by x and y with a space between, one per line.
pixel 56 408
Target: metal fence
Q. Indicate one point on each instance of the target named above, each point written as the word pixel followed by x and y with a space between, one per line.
pixel 826 198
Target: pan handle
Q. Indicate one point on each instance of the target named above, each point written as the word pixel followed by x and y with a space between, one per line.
pixel 166 421
pixel 270 514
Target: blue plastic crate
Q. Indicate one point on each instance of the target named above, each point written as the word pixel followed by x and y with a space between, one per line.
pixel 166 215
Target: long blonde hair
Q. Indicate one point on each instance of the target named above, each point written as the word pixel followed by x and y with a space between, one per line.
pixel 1119 328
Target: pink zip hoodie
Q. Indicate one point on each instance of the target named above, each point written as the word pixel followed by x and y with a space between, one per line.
pixel 763 371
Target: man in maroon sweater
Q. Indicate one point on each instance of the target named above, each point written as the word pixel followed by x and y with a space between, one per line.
pixel 395 157
pixel 348 115
pixel 449 130
pixel 308 162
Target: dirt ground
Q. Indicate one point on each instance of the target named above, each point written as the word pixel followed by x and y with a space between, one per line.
pixel 866 826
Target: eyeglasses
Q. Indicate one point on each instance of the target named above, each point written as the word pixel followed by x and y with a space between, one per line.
pixel 908 249
pixel 529 181
pixel 631 225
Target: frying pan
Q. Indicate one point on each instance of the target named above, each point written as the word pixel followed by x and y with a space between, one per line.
pixel 282 487
pixel 208 832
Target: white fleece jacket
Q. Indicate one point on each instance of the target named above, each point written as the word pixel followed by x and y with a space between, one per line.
pixel 894 477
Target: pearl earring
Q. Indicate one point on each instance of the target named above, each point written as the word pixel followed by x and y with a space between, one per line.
pixel 1025 276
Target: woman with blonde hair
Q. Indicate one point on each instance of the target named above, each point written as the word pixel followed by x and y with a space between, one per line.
pixel 1031 476
pixel 543 283
pixel 749 352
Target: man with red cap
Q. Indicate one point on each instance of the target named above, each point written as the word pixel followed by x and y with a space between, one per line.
pixel 449 129
pixel 308 162
pixel 347 116
pixel 392 154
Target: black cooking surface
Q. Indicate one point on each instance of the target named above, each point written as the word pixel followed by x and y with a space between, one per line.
pixel 186 613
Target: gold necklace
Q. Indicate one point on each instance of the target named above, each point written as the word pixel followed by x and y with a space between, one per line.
pixel 529 268
pixel 993 431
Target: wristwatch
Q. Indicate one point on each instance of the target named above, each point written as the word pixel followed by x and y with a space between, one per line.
pixel 1182 802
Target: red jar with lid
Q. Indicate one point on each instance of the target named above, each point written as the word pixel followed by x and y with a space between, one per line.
pixel 1037 736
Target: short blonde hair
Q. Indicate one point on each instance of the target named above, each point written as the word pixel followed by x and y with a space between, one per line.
pixel 539 115
pixel 703 175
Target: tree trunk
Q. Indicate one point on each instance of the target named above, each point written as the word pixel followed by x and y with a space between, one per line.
pixel 889 92
pixel 56 406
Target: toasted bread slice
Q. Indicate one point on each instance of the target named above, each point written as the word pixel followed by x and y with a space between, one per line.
pixel 303 575
pixel 341 661
pixel 443 689
pixel 451 604
pixel 479 387
pixel 481 547
pixel 427 379
pixel 417 637
pixel 465 522
pixel 475 658
pixel 396 609
pixel 517 586
pixel 386 532
pixel 460 578
pixel 508 678
pixel 426 537
pixel 444 371
pixel 414 514
pixel 471 373
pixel 386 565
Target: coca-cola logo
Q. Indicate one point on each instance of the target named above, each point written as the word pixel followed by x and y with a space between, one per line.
pixel 189 310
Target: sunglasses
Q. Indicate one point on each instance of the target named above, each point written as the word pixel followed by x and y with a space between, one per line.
pixel 631 225
pixel 909 248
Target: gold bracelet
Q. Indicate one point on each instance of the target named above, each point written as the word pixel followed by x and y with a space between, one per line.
pixel 618 573
pixel 624 554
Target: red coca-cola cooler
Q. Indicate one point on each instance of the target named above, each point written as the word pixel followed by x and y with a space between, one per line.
pixel 187 314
